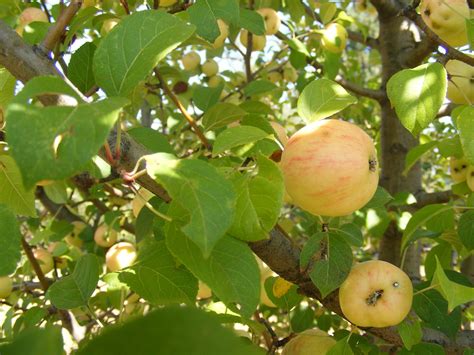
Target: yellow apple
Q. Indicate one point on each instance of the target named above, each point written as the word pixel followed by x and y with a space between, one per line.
pixel 470 177
pixel 258 42
pixel 74 238
pixel 45 259
pixel 274 76
pixel 142 196
pixel 309 342
pixel 32 14
pixel 334 38
pixel 224 32
pixel 215 81
pixel 210 67
pixel 461 82
pixel 271 19
pixel 6 286
pixel 330 168
pixel 280 132
pixel 191 61
pixel 376 294
pixel 458 169
pixel 105 236
pixel 120 256
pixel 107 25
pixel 447 18
pixel 166 3
pixel 204 291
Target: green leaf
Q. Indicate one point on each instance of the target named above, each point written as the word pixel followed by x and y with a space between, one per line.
pixel 258 87
pixel 205 97
pixel 437 218
pixel 12 192
pixel 7 87
pixel 465 123
pixel 151 139
pixel 352 233
pixel 172 330
pixel 453 292
pixel 330 271
pixel 202 191
pixel 416 153
pixel 66 137
pixel 298 46
pixel 442 252
pixel 323 98
pixel 425 349
pixel 256 107
pixel 134 47
pixel 237 136
pixel 10 241
pixel 380 198
pixel 252 21
pixel 410 332
pixel 466 229
pixel 417 95
pixel 289 300
pixel 342 347
pixel 204 14
pixel 29 341
pixel 79 70
pixel 259 201
pixel 231 270
pixel 302 318
pixel 221 114
pixel 75 290
pixel 156 277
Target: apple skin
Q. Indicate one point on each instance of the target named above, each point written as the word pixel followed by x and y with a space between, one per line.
pixel 32 14
pixel 330 168
pixel 224 33
pixel 309 342
pixel 272 20
pixel 447 19
pixel 290 74
pixel 275 77
pixel 334 38
pixel 191 61
pixel 73 238
pixel 258 42
pixel 104 236
pixel 215 81
pixel 210 67
pixel 204 291
pixel 120 256
pixel 6 286
pixel 470 177
pixel 461 83
pixel 45 259
pixel 458 169
pixel 166 3
pixel 108 25
pixel 358 299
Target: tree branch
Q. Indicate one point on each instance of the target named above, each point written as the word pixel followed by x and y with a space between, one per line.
pixel 360 38
pixel 377 95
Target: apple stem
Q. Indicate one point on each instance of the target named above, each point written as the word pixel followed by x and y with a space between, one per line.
pixel 426 289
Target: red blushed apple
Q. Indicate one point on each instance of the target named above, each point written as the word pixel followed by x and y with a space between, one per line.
pixel 330 168
pixel 376 294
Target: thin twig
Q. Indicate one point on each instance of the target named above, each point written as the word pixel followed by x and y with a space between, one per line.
pixel 34 263
pixel 377 95
pixel 125 6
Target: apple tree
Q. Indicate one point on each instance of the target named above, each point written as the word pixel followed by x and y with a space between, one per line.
pixel 236 177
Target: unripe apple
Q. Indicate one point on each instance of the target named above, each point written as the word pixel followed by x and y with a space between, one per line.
pixel 258 42
pixel 447 18
pixel 120 256
pixel 166 3
pixel 74 238
pixel 142 196
pixel 330 168
pixel 334 38
pixel 238 79
pixel 6 286
pixel 376 294
pixel 88 3
pixel 191 61
pixel 210 67
pixel 458 169
pixel 271 19
pixel 215 81
pixel 274 77
pixel 280 132
pixel 105 236
pixel 470 177
pixel 309 342
pixel 32 14
pixel 224 32
pixel 204 291
pixel 107 25
pixel 45 259
pixel 290 74
pixel 461 82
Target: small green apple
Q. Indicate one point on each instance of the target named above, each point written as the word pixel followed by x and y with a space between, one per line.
pixel 334 38
pixel 191 61
pixel 258 42
pixel 272 20
pixel 224 33
pixel 210 67
pixel 458 169
pixel 6 286
pixel 120 256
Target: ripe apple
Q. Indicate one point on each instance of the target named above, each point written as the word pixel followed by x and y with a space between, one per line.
pixel 470 177
pixel 191 61
pixel 6 286
pixel 330 168
pixel 120 256
pixel 461 82
pixel 334 38
pixel 224 32
pixel 376 294
pixel 142 196
pixel 166 3
pixel 309 342
pixel 275 77
pixel 107 25
pixel 105 236
pixel 447 18
pixel 271 19
pixel 280 132
pixel 45 259
pixel 258 42
pixel 458 169
pixel 210 67
pixel 32 14
pixel 204 291
pixel 74 238
pixel 215 81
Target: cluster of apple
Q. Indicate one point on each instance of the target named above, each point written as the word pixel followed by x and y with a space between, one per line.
pixel 191 62
pixel 461 171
